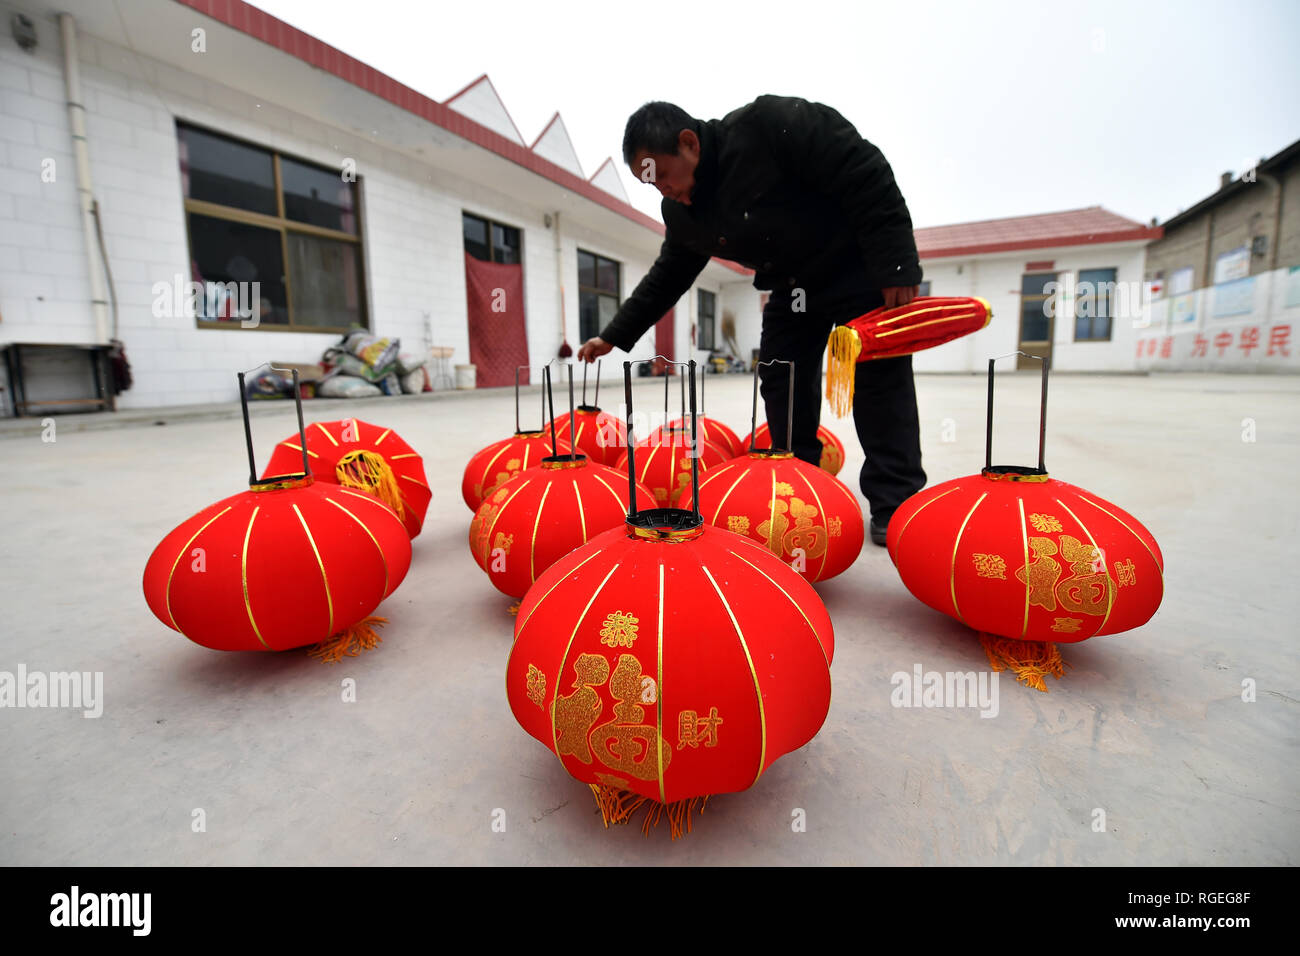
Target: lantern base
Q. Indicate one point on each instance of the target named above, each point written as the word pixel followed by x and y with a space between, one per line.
pixel 1030 660
pixel 619 806
pixel 359 637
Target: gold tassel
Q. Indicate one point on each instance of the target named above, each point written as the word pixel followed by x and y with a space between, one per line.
pixel 619 806
pixel 1030 660
pixel 367 471
pixel 844 347
pixel 514 609
pixel 359 637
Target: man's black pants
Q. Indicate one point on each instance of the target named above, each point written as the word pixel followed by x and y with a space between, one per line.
pixel 884 396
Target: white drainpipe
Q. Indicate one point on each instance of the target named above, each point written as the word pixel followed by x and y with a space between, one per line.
pixel 559 274
pixel 77 124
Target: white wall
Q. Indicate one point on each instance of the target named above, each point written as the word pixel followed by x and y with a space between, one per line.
pixel 411 225
pixel 1168 345
pixel 996 277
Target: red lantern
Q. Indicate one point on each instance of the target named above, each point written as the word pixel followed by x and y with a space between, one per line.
pixel 600 436
pixel 715 433
pixel 597 434
pixel 805 517
pixel 923 323
pixel 663 462
pixel 500 461
pixel 540 515
pixel 1026 560
pixel 832 459
pixel 367 457
pixel 290 562
pixel 666 660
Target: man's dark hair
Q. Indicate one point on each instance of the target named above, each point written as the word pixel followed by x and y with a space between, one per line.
pixel 654 128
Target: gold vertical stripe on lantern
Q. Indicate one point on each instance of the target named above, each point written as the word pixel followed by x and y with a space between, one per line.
pixel 1024 538
pixel 326 432
pixel 532 543
pixel 167 594
pixel 248 533
pixel 329 600
pixel 793 603
pixel 542 599
pixel 952 574
pixel 369 534
pixel 659 689
pixel 758 691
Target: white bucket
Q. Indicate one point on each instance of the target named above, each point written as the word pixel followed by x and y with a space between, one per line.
pixel 465 376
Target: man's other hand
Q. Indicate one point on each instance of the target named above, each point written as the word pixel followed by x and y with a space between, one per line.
pixel 897 295
pixel 593 349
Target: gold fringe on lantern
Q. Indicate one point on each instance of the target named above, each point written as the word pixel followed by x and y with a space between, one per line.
pixel 359 637
pixel 1030 660
pixel 619 806
pixel 367 471
pixel 844 347
pixel 513 610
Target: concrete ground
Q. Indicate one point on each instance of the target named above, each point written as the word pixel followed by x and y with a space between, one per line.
pixel 1149 727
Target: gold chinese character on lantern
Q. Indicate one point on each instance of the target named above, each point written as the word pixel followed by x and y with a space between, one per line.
pixel 784 488
pixel 503 542
pixel 1067 625
pixel 1125 572
pixel 693 730
pixel 619 630
pixel 536 685
pixel 990 565
pixel 1044 523
pixel 738 523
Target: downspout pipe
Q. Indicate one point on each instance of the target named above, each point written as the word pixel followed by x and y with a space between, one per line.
pixel 85 194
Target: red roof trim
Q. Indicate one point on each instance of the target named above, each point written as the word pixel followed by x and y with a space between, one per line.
pixel 549 124
pixel 1123 235
pixel 303 46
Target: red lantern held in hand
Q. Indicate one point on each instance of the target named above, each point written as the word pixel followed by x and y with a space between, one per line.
pixel 666 660
pixel 367 457
pixel 923 323
pixel 1027 560
pixel 289 563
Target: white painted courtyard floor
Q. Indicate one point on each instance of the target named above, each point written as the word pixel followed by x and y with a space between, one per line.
pixel 1149 726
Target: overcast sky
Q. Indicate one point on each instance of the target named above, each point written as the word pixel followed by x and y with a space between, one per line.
pixel 984 110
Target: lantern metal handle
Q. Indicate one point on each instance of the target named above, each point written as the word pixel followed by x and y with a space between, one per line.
pixel 1042 413
pixel 673 516
pixel 518 369
pixel 596 402
pixel 550 397
pixel 248 428
pixel 789 412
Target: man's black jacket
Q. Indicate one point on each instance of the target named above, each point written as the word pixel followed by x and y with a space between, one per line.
pixel 789 189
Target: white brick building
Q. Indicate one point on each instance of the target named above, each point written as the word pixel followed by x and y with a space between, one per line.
pixel 420 165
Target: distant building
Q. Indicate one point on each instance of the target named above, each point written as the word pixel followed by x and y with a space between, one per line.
pixel 1063 285
pixel 1226 276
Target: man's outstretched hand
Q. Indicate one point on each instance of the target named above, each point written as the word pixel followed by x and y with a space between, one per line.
pixel 593 349
pixel 899 295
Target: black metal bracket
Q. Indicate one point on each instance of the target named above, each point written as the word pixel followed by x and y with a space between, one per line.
pixel 248 428
pixel 666 514
pixel 789 413
pixel 1042 416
